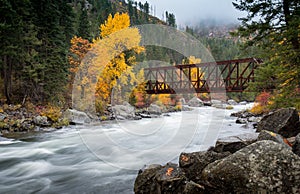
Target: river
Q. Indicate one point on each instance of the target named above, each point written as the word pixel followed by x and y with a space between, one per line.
pixel 105 157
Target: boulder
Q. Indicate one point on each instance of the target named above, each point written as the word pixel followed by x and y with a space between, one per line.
pixel 283 121
pixel 170 179
pixel 232 102
pixel 76 117
pixel 221 106
pixel 296 146
pixel 145 181
pixel 243 103
pixel 241 121
pixel 268 135
pixel 192 164
pixel 234 143
pixel 216 102
pixel 160 179
pixel 262 167
pixel 254 119
pixel 242 114
pixel 195 102
pixel 123 111
pixel 154 109
pixel 41 121
pixel 2 117
pixel 186 108
pixel 207 103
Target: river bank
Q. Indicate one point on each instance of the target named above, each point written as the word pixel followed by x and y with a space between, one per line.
pixel 89 158
pixel 17 120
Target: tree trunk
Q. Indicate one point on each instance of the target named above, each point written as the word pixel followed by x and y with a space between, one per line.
pixel 288 17
pixel 6 79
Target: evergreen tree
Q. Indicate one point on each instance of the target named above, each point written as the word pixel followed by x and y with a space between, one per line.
pixel 277 33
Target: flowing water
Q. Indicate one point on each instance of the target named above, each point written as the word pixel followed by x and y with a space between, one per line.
pixel 105 157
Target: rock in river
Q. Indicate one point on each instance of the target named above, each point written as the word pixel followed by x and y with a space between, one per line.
pixel 75 116
pixel 283 121
pixel 195 102
pixel 262 167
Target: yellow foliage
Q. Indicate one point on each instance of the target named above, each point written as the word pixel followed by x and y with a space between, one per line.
pixel 114 24
pixel 194 60
pixel 258 109
pixel 52 112
pixel 109 68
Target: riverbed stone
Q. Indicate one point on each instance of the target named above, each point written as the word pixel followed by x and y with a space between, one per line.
pixel 160 179
pixel 262 167
pixel 41 121
pixel 284 121
pixel 192 164
pixel 76 117
pixel 123 111
pixel 170 179
pixel 242 114
pixel 2 117
pixel 232 102
pixel 155 109
pixel 195 102
pixel 145 181
pixel 241 121
pixel 234 143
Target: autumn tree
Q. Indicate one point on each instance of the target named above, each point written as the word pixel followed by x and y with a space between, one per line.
pixel 273 26
pixel 113 62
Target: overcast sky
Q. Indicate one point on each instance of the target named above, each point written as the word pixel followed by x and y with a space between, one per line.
pixel 189 12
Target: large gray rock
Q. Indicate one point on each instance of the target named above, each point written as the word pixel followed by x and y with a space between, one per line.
pixel 145 181
pixel 195 102
pixel 41 121
pixel 234 143
pixel 2 117
pixel 154 109
pixel 167 179
pixel 262 167
pixel 77 117
pixel 232 102
pixel 296 146
pixel 192 164
pixel 124 111
pixel 283 121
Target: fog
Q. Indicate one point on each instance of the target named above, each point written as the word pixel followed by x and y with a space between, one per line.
pixel 192 11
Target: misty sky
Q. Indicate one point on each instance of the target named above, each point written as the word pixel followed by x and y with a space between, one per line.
pixel 190 12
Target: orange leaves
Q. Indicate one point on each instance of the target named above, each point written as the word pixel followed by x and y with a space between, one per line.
pixel 79 48
pixel 263 98
pixel 262 102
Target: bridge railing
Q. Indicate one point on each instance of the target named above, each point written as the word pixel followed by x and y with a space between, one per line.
pixel 230 75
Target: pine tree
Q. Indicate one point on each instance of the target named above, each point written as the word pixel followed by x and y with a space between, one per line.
pixel 277 33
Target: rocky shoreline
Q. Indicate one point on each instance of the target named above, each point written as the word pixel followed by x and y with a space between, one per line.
pixel 265 162
pixel 17 119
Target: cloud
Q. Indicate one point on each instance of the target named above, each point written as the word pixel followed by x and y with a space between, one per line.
pixel 191 11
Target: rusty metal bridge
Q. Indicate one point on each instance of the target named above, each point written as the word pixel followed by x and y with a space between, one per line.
pixel 229 76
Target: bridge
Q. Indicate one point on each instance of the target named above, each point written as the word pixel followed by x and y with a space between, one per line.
pixel 229 76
